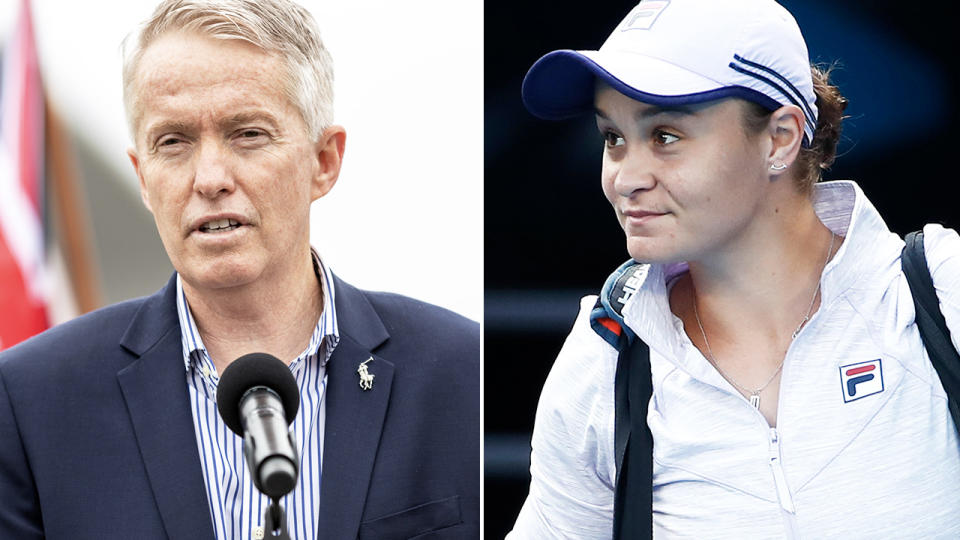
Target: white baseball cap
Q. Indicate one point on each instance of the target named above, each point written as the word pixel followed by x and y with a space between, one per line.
pixel 677 52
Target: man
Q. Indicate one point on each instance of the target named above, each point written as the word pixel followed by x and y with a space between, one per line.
pixel 108 424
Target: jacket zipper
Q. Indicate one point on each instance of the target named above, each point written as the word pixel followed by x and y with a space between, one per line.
pixel 786 500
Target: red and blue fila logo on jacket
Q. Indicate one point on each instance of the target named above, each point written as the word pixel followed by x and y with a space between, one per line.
pixel 861 380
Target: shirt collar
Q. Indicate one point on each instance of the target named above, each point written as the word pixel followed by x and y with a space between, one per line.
pixel 840 205
pixel 844 208
pixel 325 331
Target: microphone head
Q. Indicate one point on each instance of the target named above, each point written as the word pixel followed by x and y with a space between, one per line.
pixel 248 371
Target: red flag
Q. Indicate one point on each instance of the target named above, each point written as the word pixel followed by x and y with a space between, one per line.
pixel 22 301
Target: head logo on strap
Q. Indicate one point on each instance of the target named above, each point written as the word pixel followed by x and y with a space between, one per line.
pixel 606 319
pixel 628 282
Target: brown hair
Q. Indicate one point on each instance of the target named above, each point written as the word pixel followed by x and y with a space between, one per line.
pixel 821 152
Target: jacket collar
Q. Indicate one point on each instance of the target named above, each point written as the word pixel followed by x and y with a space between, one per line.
pixel 355 416
pixel 868 249
pixel 156 316
pixel 356 316
pixel 155 392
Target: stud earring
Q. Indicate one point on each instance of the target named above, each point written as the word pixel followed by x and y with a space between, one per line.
pixel 778 166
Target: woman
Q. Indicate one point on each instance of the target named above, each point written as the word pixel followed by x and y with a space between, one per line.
pixel 791 393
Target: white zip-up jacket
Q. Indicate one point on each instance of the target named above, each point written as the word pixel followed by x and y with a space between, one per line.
pixel 852 456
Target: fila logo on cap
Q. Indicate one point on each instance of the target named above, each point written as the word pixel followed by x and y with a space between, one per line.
pixel 644 15
pixel 861 380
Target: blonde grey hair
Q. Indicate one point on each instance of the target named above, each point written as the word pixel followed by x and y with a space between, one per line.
pixel 278 27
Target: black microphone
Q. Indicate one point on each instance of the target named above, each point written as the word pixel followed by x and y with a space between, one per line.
pixel 258 398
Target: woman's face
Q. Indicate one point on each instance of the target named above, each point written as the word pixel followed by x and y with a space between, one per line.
pixel 685 182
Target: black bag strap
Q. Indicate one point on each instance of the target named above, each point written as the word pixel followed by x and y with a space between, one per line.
pixel 621 426
pixel 930 321
pixel 633 442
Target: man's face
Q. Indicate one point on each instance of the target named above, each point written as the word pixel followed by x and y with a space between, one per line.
pixel 225 163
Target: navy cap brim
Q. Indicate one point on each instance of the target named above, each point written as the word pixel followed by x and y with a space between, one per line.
pixel 562 84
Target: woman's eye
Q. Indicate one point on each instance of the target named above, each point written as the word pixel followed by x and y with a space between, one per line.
pixel 663 138
pixel 612 140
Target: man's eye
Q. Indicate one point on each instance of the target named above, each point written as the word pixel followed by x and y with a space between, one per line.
pixel 663 138
pixel 251 138
pixel 612 140
pixel 248 135
pixel 168 142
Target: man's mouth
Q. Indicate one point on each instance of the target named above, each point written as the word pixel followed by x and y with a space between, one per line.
pixel 219 226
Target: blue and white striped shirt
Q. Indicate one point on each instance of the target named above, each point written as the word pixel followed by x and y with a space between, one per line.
pixel 236 507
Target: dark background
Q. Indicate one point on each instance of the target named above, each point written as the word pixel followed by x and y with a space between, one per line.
pixel 551 237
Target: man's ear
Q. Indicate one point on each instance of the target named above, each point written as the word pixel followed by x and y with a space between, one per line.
pixel 135 160
pixel 329 151
pixel 786 136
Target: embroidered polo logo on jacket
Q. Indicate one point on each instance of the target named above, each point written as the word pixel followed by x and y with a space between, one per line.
pixel 861 380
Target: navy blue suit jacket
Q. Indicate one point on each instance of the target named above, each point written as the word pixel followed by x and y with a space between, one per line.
pixel 97 439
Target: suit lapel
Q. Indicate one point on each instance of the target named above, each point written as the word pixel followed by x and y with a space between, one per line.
pixel 155 390
pixel 354 416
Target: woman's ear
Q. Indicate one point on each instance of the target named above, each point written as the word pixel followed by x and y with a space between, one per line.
pixel 785 130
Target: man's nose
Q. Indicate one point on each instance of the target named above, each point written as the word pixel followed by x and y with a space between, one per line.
pixel 213 174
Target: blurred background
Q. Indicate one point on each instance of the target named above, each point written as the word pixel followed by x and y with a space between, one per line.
pixel 405 216
pixel 551 237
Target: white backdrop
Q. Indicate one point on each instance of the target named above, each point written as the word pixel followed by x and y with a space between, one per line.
pixel 407 213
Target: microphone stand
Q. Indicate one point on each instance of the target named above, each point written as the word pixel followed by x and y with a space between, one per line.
pixel 275 521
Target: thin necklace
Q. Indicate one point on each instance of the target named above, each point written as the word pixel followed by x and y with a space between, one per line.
pixel 755 394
